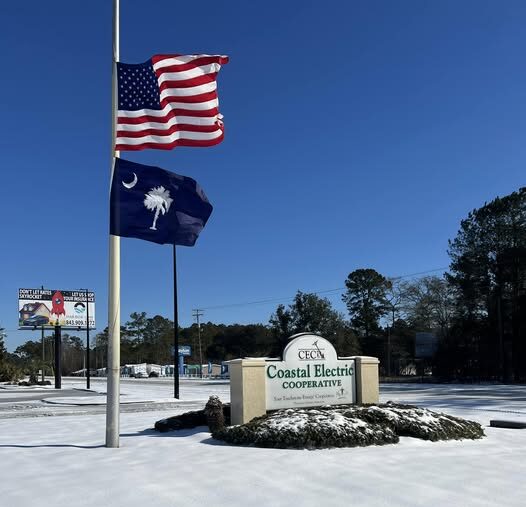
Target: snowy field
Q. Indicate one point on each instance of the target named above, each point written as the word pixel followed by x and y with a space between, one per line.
pixel 52 460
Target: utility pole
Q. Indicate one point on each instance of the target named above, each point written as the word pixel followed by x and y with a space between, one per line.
pixel 196 314
pixel 394 300
pixel 501 336
pixel 86 356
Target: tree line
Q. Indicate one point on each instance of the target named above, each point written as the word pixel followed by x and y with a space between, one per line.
pixel 476 311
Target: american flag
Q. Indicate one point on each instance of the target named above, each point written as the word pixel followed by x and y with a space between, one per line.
pixel 169 101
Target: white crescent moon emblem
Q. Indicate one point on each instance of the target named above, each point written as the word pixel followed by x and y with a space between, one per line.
pixel 131 184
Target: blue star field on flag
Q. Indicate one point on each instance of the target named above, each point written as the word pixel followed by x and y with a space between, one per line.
pixel 138 87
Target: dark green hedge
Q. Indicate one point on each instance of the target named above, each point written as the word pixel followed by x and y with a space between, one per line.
pixel 189 420
pixel 307 429
pixel 348 426
pixel 333 426
pixel 410 421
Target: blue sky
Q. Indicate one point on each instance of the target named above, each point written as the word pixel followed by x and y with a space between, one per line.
pixel 358 134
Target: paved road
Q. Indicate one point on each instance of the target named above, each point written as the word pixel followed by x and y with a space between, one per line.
pixel 28 402
pixel 509 400
pixel 40 410
pixel 12 395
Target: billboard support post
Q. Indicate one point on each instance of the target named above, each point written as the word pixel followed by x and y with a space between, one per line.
pixel 87 341
pixel 43 356
pixel 58 356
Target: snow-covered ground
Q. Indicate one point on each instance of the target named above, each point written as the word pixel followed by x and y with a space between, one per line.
pixel 137 395
pixel 49 461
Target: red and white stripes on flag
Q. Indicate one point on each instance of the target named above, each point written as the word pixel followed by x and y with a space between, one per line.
pixel 169 101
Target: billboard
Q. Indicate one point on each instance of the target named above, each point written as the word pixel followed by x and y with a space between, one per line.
pixel 47 308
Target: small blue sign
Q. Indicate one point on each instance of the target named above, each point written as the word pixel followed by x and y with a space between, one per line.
pixel 184 350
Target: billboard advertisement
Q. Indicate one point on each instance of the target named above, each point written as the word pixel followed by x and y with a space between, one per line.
pixel 47 308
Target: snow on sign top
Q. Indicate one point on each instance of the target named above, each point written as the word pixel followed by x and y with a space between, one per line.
pixel 309 347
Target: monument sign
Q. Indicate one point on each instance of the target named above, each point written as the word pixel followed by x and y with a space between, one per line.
pixel 309 374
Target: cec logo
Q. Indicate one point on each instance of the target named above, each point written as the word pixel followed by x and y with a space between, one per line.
pixel 311 353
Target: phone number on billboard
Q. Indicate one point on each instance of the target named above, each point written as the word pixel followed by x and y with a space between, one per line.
pixel 77 322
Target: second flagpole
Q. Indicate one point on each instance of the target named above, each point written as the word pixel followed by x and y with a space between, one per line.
pixel 176 330
pixel 113 367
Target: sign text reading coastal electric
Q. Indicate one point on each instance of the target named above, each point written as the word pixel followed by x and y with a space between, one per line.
pixel 310 374
pixel 316 375
pixel 47 308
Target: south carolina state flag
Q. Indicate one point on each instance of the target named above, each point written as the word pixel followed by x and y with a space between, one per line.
pixel 150 203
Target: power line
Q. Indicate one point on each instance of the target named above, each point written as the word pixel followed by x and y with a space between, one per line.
pixel 285 299
pixel 420 273
pixel 324 291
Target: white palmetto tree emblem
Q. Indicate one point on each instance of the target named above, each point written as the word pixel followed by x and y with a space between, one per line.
pixel 157 199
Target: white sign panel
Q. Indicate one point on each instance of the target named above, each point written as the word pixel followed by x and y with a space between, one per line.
pixel 48 308
pixel 426 345
pixel 309 375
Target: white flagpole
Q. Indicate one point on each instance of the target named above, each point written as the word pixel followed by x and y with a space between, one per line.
pixel 113 366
